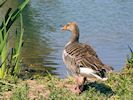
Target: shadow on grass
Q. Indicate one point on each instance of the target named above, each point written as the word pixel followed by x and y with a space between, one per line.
pixel 101 87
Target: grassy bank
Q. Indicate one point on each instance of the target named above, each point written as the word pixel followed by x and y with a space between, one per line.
pixel 119 86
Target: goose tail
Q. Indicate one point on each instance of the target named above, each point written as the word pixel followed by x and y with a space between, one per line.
pixel 88 72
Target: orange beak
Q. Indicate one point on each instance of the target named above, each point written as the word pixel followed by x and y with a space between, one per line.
pixel 64 28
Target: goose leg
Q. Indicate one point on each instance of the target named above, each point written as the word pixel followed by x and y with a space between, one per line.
pixel 81 87
pixel 80 83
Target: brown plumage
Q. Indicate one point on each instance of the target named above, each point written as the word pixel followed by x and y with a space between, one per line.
pixel 81 59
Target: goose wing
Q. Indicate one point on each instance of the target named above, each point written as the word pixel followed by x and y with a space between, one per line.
pixel 83 55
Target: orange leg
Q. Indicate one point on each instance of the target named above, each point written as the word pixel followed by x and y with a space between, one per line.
pixel 80 83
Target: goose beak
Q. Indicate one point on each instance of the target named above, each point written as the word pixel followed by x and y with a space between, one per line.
pixel 64 28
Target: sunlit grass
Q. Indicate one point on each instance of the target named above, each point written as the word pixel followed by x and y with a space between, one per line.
pixel 119 86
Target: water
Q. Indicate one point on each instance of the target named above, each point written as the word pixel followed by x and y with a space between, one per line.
pixel 105 24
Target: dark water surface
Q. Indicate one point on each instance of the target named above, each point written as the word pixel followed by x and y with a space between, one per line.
pixel 105 24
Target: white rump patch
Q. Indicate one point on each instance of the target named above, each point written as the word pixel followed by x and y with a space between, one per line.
pixel 89 71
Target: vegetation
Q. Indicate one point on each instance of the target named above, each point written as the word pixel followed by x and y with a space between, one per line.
pixel 10 56
pixel 130 59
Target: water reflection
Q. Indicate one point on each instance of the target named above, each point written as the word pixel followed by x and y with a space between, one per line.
pixel 37 52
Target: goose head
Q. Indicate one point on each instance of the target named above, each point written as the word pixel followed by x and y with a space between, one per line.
pixel 72 27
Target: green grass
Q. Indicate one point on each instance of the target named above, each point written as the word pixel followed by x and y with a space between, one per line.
pixel 20 93
pixel 119 86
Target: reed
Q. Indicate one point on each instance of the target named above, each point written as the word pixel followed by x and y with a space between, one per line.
pixel 130 59
pixel 10 57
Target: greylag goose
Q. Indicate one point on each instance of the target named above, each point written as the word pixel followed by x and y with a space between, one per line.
pixel 81 60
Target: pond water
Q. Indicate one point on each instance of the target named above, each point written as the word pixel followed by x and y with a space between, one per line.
pixel 105 24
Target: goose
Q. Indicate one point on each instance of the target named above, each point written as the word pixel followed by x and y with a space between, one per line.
pixel 81 59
